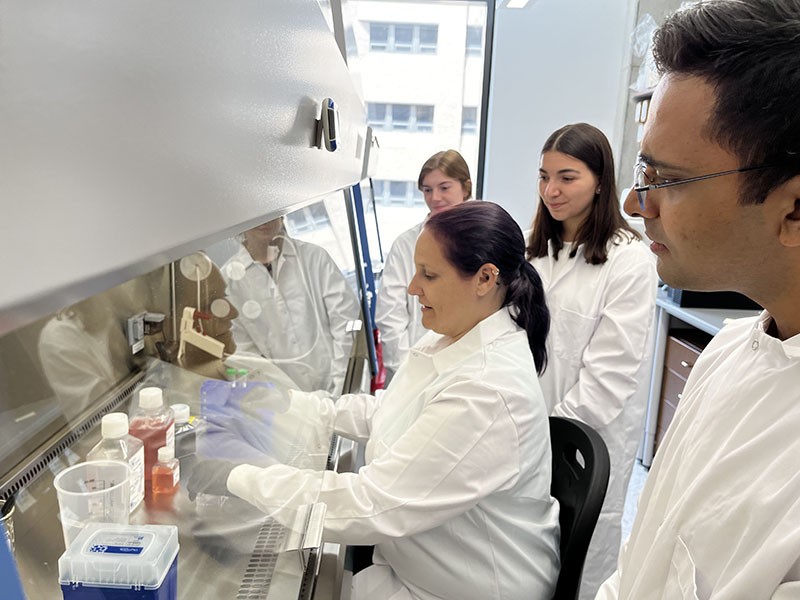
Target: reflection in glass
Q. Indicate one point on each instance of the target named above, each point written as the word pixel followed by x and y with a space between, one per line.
pixel 84 350
pixel 294 306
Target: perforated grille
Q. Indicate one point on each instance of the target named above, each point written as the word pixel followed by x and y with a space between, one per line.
pixel 258 575
pixel 54 447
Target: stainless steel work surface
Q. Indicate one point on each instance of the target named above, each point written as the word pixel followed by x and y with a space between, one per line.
pixel 228 549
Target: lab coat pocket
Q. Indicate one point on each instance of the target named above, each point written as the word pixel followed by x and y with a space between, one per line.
pixel 571 332
pixel 682 581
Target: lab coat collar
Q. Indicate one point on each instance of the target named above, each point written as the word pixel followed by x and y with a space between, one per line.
pixel 483 334
pixel 287 249
pixel 790 347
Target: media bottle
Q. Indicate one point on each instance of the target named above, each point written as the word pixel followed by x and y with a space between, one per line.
pixel 117 444
pixel 165 477
pixel 154 424
pixel 187 427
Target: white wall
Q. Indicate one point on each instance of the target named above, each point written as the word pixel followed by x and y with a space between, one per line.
pixel 555 62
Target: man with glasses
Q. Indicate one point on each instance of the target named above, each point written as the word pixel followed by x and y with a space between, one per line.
pixel 718 185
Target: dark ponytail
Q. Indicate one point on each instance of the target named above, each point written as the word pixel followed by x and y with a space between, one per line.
pixel 477 232
pixel 526 295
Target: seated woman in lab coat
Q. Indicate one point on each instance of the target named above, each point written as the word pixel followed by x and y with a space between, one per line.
pixel 600 283
pixel 456 490
pixel 444 182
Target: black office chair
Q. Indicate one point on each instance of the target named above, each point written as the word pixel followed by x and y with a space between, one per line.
pixel 580 478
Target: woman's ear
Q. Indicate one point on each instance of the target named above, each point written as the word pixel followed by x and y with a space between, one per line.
pixel 488 278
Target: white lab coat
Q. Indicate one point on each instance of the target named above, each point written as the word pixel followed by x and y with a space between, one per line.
pixel 81 365
pixel 599 352
pixel 456 489
pixel 719 516
pixel 297 316
pixel 398 315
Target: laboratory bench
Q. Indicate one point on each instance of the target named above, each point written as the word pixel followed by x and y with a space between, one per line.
pixel 681 333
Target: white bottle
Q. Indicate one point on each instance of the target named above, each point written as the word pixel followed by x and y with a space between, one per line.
pixel 118 445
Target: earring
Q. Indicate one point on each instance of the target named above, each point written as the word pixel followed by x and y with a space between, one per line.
pixel 496 272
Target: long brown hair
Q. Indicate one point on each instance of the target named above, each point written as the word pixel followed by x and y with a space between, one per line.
pixel 604 222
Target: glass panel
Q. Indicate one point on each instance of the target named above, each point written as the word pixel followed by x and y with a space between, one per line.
pixel 229 331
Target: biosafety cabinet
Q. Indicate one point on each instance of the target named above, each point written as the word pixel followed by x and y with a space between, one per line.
pixel 174 183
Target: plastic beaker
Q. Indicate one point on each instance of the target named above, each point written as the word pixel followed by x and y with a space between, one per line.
pixel 7 521
pixel 94 491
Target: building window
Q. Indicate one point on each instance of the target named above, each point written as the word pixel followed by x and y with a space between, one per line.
pixel 400 117
pixel 428 38
pixel 397 193
pixel 474 40
pixel 378 37
pixel 406 38
pixel 469 119
pixel 309 218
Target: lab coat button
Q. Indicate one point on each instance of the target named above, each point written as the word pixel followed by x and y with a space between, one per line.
pixel 754 345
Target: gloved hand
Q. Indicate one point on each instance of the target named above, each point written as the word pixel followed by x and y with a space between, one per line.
pixel 210 476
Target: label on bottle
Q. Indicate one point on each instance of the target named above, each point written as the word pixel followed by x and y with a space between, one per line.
pixel 176 474
pixel 170 436
pixel 136 463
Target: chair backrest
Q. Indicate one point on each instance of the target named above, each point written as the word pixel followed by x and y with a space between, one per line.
pixel 580 478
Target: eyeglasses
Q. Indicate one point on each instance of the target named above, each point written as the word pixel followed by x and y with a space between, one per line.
pixel 642 183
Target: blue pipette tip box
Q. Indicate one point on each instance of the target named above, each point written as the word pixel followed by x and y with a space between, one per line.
pixel 109 561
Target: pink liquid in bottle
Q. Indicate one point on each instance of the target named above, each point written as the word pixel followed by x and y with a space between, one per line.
pixel 154 424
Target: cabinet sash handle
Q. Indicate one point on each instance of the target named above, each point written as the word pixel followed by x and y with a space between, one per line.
pixel 686 365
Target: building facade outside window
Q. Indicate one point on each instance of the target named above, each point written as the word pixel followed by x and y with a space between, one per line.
pixel 403 37
pixel 399 117
pixel 421 68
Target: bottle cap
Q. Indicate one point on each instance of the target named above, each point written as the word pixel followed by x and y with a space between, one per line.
pixel 181 412
pixel 150 398
pixel 166 453
pixel 114 425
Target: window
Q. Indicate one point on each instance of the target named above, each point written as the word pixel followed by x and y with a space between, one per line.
pixel 403 38
pixel 474 40
pixel 420 62
pixel 424 116
pixel 397 193
pixel 309 218
pixel 376 114
pixel 428 38
pixel 407 38
pixel 469 119
pixel 378 37
pixel 400 117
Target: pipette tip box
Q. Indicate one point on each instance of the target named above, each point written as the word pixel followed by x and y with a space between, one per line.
pixel 121 562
